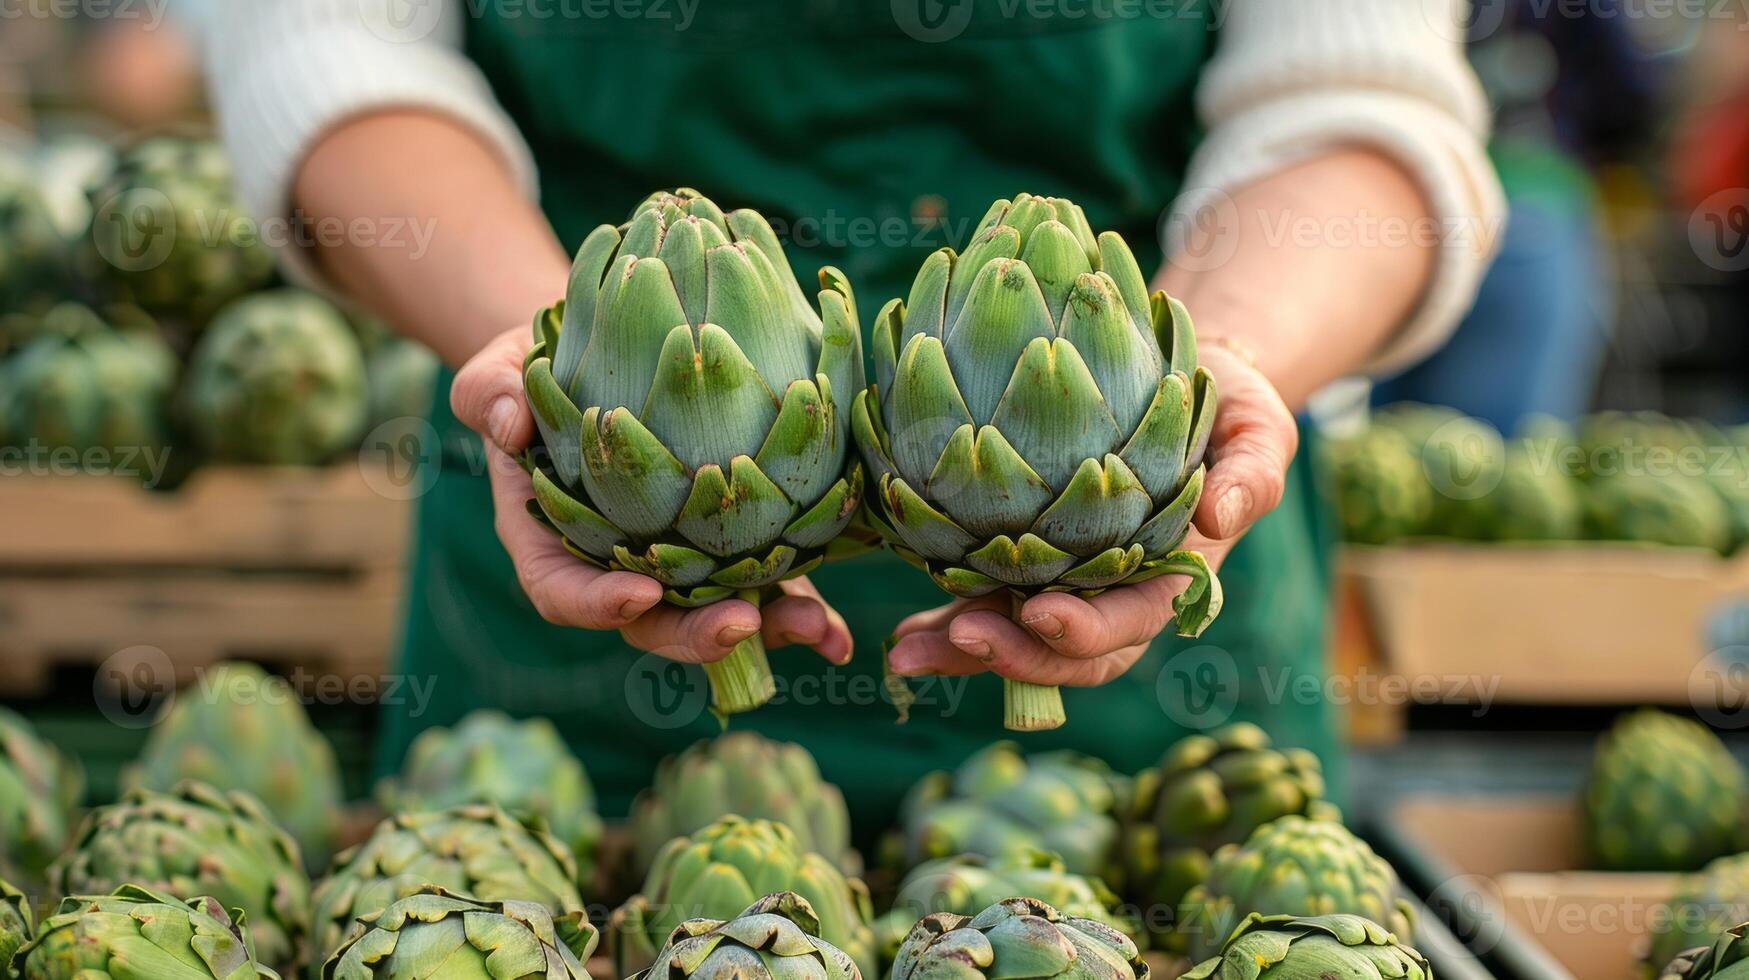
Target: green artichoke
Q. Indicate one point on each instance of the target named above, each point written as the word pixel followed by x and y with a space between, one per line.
pixel 753 777
pixel 523 766
pixel 1726 959
pixel 239 729
pixel 1286 947
pixel 968 883
pixel 137 934
pixel 169 232
pixel 1706 904
pixel 1463 460
pixel 32 252
pixel 1210 791
pixel 401 376
pixel 1016 939
pixel 434 935
pixel 15 923
pixel 1292 866
pixel 277 378
pixel 1038 422
pixel 1672 509
pixel 722 869
pixel 694 409
pixel 40 790
pixel 1382 493
pixel 775 938
pixel 475 850
pixel 197 841
pixel 83 385
pixel 1664 794
pixel 1536 500
pixel 1000 802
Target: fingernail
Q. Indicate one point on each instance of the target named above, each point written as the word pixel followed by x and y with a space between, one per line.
pixel 501 421
pixel 975 648
pixel 631 609
pixel 1045 625
pixel 1231 510
pixel 731 635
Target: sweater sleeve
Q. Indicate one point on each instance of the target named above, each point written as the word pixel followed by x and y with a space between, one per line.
pixel 1295 78
pixel 283 73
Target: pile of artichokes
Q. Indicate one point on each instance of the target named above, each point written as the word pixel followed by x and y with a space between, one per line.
pixel 1664 794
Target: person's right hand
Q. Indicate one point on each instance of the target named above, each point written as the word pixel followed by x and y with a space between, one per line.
pixel 488 397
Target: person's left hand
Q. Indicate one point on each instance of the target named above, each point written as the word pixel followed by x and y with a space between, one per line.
pixel 1067 641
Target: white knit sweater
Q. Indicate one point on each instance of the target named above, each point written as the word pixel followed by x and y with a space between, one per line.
pixel 1291 79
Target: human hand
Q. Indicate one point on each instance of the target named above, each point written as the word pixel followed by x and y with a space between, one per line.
pixel 488 397
pixel 1066 641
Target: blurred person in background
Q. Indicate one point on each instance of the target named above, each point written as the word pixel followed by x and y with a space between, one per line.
pixel 1324 113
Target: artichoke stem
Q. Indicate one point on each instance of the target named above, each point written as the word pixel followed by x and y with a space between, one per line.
pixel 742 680
pixel 1030 707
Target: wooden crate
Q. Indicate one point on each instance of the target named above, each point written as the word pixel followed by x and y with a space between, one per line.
pixel 287 567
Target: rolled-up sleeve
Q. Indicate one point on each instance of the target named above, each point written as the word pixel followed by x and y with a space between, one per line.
pixel 284 73
pixel 1294 79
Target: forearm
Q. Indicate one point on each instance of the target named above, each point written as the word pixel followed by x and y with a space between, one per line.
pixel 1311 269
pixel 474 256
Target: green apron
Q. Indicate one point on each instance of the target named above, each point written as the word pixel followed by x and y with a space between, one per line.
pixel 868 149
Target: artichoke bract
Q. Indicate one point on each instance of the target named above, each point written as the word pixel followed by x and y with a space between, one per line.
pixel 434 935
pixel 1286 947
pixel 1292 866
pixel 1726 959
pixel 1210 791
pixel 1016 939
pixel 1664 794
pixel 170 233
pixel 477 851
pixel 1706 904
pixel 136 934
pixel 81 384
pixel 277 378
pixel 969 883
pixel 16 926
pixel 525 767
pixel 197 841
pixel 722 869
pixel 693 408
pixel 40 791
pixel 748 775
pixel 775 938
pixel 1038 422
pixel 1001 802
pixel 237 728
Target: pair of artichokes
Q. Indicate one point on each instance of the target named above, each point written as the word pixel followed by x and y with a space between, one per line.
pixel 1037 422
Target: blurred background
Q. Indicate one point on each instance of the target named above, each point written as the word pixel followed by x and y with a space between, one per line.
pixel 1545 521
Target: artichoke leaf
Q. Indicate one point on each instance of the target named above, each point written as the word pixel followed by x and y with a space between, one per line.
pixel 630 477
pixel 1057 260
pixel 625 345
pixel 1165 530
pixel 840 344
pixel 829 516
pixel 1120 358
pixel 1200 602
pixel 926 530
pixel 683 252
pixel 1102 508
pixel 984 485
pixel 1104 570
pixel 757 573
pixel 1156 452
pixel 733 515
pixel 1176 333
pixel 674 565
pixel 1117 261
pixel 559 421
pixel 964 582
pixel 998 243
pixel 1004 312
pixel 924 409
pixel 708 403
pixel 802 451
pixel 746 300
pixel 577 316
pixel 925 310
pixel 643 233
pixel 1031 562
pixel 1202 385
pixel 580 524
pixel 750 226
pixel 889 325
pixel 1053 414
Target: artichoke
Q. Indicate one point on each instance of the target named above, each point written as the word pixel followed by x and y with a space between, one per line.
pixel 1462 458
pixel 475 850
pixel 1535 501
pixel 1706 904
pixel 15 923
pixel 1210 791
pixel 401 376
pixel 753 777
pixel 1000 802
pixel 1672 509
pixel 1382 493
pixel 1286 947
pixel 1664 794
pixel 523 766
pixel 137 934
pixel 967 884
pixel 722 869
pixel 197 841
pixel 775 938
pixel 1038 422
pixel 83 385
pixel 434 935
pixel 1726 959
pixel 239 729
pixel 32 252
pixel 1016 939
pixel 40 791
pixel 277 378
pixel 693 410
pixel 170 233
pixel 1292 866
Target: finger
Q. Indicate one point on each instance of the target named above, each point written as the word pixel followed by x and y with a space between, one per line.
pixel 1253 441
pixel 565 590
pixel 1010 651
pixel 703 635
pixel 802 616
pixel 487 394
pixel 1083 629
pixel 940 616
pixel 929 653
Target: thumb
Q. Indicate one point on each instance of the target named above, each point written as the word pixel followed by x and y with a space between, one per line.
pixel 487 395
